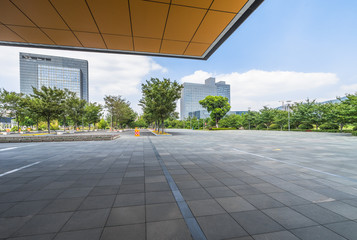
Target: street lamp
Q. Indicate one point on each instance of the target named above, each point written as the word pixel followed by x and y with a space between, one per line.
pixel 249 117
pixel 288 103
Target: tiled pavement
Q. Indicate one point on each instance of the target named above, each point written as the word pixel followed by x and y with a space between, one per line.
pixel 234 185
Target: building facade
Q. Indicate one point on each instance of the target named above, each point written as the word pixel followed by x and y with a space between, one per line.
pixel 51 71
pixel 192 93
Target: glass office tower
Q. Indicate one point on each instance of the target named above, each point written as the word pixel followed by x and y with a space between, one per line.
pixel 192 93
pixel 50 71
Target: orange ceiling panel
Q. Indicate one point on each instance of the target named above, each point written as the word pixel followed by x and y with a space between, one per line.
pixel 147 44
pixel 213 24
pixel 179 26
pixel 173 47
pixel 9 14
pixel 148 18
pixel 228 5
pixel 76 14
pixel 31 34
pixel 196 49
pixel 63 37
pixel 90 40
pixel 8 35
pixel 112 16
pixel 118 42
pixel 193 3
pixel 41 13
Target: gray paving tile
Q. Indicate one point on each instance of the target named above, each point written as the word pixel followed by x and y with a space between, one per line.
pixel 235 204
pixel 90 234
pixel 63 205
pixel 156 187
pixel 267 188
pixel 127 232
pixel 97 202
pixel 205 207
pixel 162 211
pixel 316 233
pixel 346 229
pixel 126 215
pixel 8 226
pixel 170 229
pixel 35 237
pixel 46 223
pixel 87 219
pixel 75 192
pixel 129 199
pixel 220 192
pixel 230 181
pixel 220 226
pixel 288 198
pixel 187 184
pixel 210 183
pixel 159 197
pixel 132 188
pixel 256 222
pixel 104 190
pixel 319 214
pixel 263 201
pixel 244 190
pixel 283 235
pixel 341 208
pixel 194 194
pixel 289 218
pixel 25 209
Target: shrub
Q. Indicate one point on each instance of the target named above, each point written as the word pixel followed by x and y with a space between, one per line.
pixel 354 128
pixel 305 126
pixel 354 133
pixel 261 126
pixel 274 127
pixel 329 126
pixel 14 129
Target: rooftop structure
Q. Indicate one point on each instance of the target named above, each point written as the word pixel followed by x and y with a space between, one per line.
pixel 178 28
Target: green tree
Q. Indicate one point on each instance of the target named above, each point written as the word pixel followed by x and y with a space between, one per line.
pixel 231 121
pixel 217 106
pixel 266 116
pixel 92 113
pixel 75 107
pixel 159 99
pixel 14 105
pixel 281 118
pixel 49 103
pixel 102 124
pixel 121 113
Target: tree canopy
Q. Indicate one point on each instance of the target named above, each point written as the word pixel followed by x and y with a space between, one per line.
pixel 217 106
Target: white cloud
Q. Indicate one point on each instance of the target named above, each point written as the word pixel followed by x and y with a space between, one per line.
pixel 109 74
pixel 257 88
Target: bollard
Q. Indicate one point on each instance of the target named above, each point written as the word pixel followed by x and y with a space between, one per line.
pixel 137 132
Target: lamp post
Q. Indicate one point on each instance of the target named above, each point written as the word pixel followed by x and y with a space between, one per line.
pixel 249 117
pixel 288 103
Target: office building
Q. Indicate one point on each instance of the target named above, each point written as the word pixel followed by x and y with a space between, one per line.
pixel 50 71
pixel 192 93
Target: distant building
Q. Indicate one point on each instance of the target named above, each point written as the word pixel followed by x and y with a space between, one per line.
pixel 50 71
pixel 6 122
pixel 192 93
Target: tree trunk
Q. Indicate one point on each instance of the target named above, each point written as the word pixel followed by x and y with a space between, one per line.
pixel 341 127
pixel 216 123
pixel 37 125
pixel 49 125
pixel 162 126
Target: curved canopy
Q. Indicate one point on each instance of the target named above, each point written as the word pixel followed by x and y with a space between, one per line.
pixel 176 28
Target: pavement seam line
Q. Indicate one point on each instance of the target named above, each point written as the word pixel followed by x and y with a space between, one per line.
pixel 191 222
pixel 18 169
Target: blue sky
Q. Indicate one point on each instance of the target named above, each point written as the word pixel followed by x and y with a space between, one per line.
pixel 286 50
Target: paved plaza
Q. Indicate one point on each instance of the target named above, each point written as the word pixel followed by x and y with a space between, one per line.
pixel 246 185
